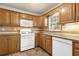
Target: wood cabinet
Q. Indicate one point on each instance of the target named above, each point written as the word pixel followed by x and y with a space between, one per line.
pixel 75 48
pixel 13 44
pixel 43 42
pixel 35 21
pixel 38 21
pixel 3 45
pixel 12 18
pixel 37 39
pixel 46 43
pixel 15 21
pixel 9 44
pixel 45 21
pixel 76 52
pixel 8 17
pixel 26 16
pixel 49 45
pixel 67 13
pixel 77 12
pixel 41 21
pixel 4 17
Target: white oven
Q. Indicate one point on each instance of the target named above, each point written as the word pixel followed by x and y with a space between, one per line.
pixel 27 39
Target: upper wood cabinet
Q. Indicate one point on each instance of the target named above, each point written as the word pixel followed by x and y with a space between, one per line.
pixel 14 18
pixel 35 21
pixel 4 17
pixel 38 21
pixel 9 17
pixel 41 21
pixel 67 13
pixel 77 12
pixel 26 16
pixel 45 21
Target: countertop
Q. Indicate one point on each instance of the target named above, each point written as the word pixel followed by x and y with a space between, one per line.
pixel 9 33
pixel 67 36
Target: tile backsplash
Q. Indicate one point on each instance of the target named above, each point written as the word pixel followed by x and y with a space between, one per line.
pixel 71 27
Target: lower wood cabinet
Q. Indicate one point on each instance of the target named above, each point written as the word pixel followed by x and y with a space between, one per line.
pixel 43 43
pixel 9 44
pixel 76 48
pixel 3 45
pixel 46 43
pixel 13 42
pixel 49 46
pixel 37 40
pixel 76 52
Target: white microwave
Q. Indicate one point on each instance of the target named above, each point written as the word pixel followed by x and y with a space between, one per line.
pixel 26 23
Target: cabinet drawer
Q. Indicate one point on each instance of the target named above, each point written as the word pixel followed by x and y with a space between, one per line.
pixel 76 52
pixel 47 36
pixel 76 44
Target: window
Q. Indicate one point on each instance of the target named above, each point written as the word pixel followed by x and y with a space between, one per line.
pixel 26 23
pixel 53 22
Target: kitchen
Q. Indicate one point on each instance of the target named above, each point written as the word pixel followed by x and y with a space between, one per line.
pixel 43 29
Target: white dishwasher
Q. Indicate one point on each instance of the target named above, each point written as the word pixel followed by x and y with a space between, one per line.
pixel 61 47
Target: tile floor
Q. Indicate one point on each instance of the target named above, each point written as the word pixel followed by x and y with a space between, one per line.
pixel 31 52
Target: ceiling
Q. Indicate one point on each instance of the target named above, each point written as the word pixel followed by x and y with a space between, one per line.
pixel 37 8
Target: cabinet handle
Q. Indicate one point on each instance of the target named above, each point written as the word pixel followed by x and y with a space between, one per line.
pixel 78 17
pixel 77 48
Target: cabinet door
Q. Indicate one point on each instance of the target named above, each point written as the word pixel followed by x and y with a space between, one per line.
pixel 46 43
pixel 76 52
pixel 75 48
pixel 43 41
pixel 41 21
pixel 13 44
pixel 37 39
pixel 26 16
pixel 30 17
pixel 35 21
pixel 4 17
pixel 77 12
pixel 3 45
pixel 49 45
pixel 45 21
pixel 14 18
pixel 38 21
pixel 67 13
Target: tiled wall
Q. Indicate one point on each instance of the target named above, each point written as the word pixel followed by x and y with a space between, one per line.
pixel 71 27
